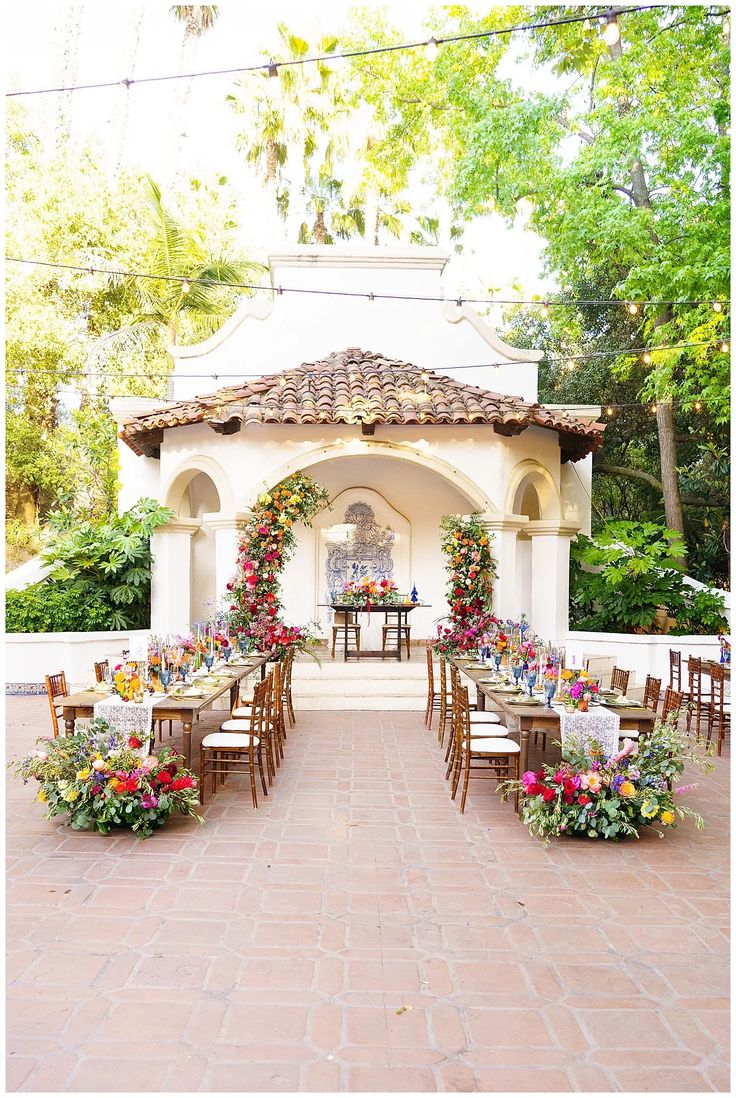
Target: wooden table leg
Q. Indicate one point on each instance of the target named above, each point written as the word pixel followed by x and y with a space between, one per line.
pixel 524 734
pixel 187 737
pixel 69 720
pixel 480 704
pixel 345 655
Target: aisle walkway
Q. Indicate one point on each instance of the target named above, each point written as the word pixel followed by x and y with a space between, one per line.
pixel 357 934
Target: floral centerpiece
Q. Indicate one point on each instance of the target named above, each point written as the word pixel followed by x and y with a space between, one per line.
pixel 470 569
pixel 611 798
pixel 127 682
pixel 369 592
pixel 578 689
pixel 725 648
pixel 101 778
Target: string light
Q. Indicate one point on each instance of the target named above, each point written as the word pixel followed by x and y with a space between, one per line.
pixel 653 409
pixel 717 307
pixel 545 310
pixel 30 264
pixel 609 410
pixel 611 31
pixel 725 347
pixel 646 358
pixel 330 57
pixel 185 286
pixel 697 405
pixel 632 307
pixel 431 49
pixel 570 364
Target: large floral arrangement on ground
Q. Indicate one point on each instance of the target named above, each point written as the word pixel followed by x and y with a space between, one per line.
pixel 266 544
pixel 612 797
pixel 471 569
pixel 103 779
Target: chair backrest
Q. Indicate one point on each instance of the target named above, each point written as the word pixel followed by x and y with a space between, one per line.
pixel 430 667
pixel 343 616
pixel 620 680
pixel 277 695
pixel 717 686
pixel 675 669
pixel 101 670
pixel 652 688
pixel 56 688
pixel 694 677
pixel 672 702
pixel 443 674
pixel 288 665
pixel 461 701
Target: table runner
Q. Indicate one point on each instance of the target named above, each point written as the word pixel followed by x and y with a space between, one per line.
pixel 580 729
pixel 132 718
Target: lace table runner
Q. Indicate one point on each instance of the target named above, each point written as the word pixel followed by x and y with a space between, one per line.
pixel 580 729
pixel 132 718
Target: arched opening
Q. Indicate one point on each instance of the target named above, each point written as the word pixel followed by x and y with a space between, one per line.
pixel 198 497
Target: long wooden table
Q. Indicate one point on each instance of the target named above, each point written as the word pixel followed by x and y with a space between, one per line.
pixel 526 718
pixel 166 707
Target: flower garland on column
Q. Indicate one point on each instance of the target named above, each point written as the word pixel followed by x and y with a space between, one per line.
pixel 471 569
pixel 266 544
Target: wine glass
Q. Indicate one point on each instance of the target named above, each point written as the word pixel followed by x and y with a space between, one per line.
pixel 549 692
pixel 497 660
pixel 531 680
pixel 208 661
pixel 184 670
pixel 242 644
pixel 165 680
pixel 516 671
pixel 227 652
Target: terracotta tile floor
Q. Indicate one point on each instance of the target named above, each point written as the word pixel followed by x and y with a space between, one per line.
pixel 356 933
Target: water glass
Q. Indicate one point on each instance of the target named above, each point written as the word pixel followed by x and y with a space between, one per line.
pixel 208 661
pixel 165 679
pixel 549 692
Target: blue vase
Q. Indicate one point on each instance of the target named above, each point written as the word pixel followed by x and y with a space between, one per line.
pixel 414 594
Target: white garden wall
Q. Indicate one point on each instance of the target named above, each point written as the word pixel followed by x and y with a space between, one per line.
pixel 29 657
pixel 641 654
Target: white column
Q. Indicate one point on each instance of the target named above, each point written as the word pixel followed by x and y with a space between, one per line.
pixel 227 538
pixel 551 577
pixel 506 595
pixel 171 580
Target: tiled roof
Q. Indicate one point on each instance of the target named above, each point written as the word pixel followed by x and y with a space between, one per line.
pixel 361 388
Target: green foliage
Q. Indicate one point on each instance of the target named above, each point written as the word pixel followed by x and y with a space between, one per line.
pixel 626 574
pixel 100 578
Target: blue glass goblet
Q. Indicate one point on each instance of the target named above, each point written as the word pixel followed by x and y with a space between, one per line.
pixel 227 653
pixel 516 670
pixel 242 644
pixel 531 680
pixel 208 661
pixel 184 671
pixel 497 659
pixel 165 680
pixel 549 692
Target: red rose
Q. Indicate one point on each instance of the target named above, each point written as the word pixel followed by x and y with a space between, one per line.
pixel 535 789
pixel 548 794
pixel 131 786
pixel 569 786
pixel 135 742
pixel 559 778
pixel 540 775
pixel 164 777
pixel 583 799
pixel 568 798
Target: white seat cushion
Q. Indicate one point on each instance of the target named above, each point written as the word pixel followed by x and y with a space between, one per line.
pixel 489 745
pixel 229 740
pixel 480 731
pixel 235 726
pixel 242 711
pixel 484 716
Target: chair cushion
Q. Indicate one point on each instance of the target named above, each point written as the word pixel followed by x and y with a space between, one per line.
pixel 242 711
pixel 235 726
pixel 488 730
pixel 492 746
pixel 484 716
pixel 228 739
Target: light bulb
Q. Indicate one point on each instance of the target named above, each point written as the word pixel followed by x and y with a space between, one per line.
pixel 570 364
pixel 185 287
pixel 424 376
pixel 282 381
pixel 725 347
pixel 717 307
pixel 697 405
pixel 545 310
pixel 633 308
pixel 611 31
pixel 609 411
pixel 646 357
pixel 653 409
pixel 431 49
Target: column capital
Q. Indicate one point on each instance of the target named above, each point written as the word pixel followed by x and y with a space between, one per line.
pixel 180 526
pixel 494 523
pixel 560 528
pixel 217 521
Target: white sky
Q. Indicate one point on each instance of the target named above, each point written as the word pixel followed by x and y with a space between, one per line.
pixel 111 41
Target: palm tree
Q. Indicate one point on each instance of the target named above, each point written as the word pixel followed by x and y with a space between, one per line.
pixel 197 20
pixel 179 254
pixel 332 218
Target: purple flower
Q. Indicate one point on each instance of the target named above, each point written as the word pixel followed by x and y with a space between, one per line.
pixel 149 800
pixel 617 782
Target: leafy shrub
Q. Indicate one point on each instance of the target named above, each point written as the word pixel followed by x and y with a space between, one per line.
pixel 100 578
pixel 622 579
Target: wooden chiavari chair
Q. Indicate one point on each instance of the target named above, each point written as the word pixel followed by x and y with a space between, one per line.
pixel 102 670
pixel 433 699
pixel 400 632
pixel 445 711
pixel 719 710
pixel 699 700
pixel 492 756
pixel 652 688
pixel 338 626
pixel 675 670
pixel 673 702
pixel 56 688
pixel 288 666
pixel 225 751
pixel 243 711
pixel 620 680
pixel 482 721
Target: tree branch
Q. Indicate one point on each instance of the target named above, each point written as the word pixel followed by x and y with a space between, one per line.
pixel 647 478
pixel 626 191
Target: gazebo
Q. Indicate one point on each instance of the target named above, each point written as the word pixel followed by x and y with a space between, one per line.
pixel 439 416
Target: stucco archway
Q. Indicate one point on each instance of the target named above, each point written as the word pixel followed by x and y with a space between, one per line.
pixel 186 472
pixel 529 479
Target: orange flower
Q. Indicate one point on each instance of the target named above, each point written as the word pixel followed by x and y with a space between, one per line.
pixel 568 674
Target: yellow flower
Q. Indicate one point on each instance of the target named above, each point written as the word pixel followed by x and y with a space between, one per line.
pixel 627 789
pixel 71 794
pixel 294 499
pixel 41 796
pixel 265 498
pixel 667 817
pixel 82 775
pixel 567 673
pixel 649 810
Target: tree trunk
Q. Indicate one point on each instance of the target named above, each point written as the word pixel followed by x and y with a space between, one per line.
pixel 320 230
pixel 666 433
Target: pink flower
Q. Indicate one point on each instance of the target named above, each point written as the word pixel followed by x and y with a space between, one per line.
pixel 684 788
